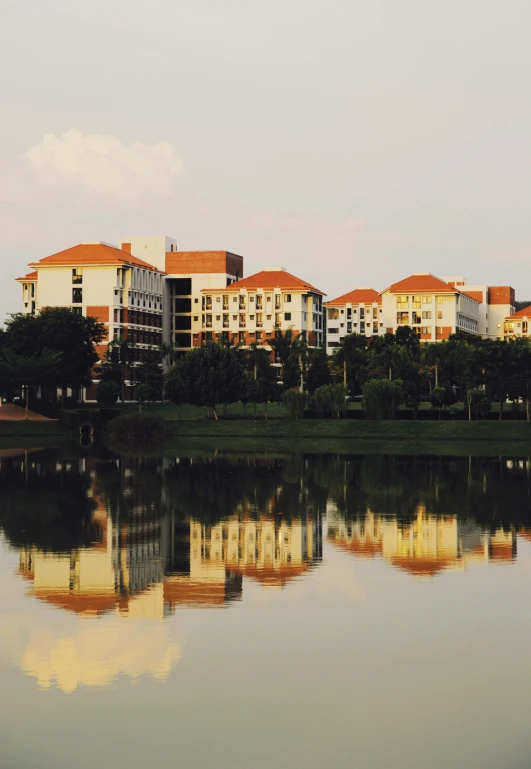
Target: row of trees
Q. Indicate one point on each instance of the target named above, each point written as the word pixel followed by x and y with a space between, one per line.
pixel 388 370
pixel 463 368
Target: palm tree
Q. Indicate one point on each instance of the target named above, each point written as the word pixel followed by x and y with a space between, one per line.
pixel 123 346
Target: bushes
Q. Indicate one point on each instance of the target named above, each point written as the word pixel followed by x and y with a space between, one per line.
pixel 137 429
pixel 294 403
pixel 108 392
pixel 381 398
pixel 330 400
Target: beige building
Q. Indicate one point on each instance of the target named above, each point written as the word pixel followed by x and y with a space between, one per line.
pixel 518 324
pixel 358 312
pixel 438 307
pixel 251 309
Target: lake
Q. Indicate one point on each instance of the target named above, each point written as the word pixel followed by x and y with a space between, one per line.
pixel 263 611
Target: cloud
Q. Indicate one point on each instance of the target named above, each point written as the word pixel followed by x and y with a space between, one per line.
pixel 94 654
pixel 100 163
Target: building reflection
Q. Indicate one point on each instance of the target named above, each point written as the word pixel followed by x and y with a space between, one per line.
pixel 425 545
pixel 145 561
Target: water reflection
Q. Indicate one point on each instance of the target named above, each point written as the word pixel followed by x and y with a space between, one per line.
pixel 424 546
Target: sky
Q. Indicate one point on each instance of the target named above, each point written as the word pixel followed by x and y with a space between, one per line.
pixel 353 142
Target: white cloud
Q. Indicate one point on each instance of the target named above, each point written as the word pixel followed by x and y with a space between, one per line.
pixel 102 164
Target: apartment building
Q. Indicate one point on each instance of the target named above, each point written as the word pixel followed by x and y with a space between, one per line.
pixel 250 310
pixel 438 307
pixel 518 324
pixel 143 290
pixel 108 283
pixel 187 273
pixel 358 312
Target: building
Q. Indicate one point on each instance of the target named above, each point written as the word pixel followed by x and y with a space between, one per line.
pixel 250 310
pixel 187 273
pixel 518 324
pixel 358 312
pixel 97 279
pixel 438 307
pixel 143 290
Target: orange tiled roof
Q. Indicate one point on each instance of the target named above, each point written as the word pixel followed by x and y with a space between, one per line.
pixel 271 279
pixel 422 567
pixel 421 282
pixel 358 296
pixel 359 548
pixel 30 276
pixel 92 254
pixel 525 312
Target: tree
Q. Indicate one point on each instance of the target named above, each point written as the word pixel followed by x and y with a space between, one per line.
pixel 318 371
pixel 381 398
pixel 350 357
pixel 28 370
pixel 330 400
pixel 206 376
pixel 57 329
pixel 107 393
pixel 121 355
pixel 143 394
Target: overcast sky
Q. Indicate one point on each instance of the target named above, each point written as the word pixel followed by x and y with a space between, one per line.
pixel 352 142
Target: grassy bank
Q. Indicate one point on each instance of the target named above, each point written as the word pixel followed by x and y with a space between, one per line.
pixel 29 429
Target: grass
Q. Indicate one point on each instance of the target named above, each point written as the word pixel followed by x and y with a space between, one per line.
pixel 31 429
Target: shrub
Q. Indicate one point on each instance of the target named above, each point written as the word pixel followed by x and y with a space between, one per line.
pixel 381 398
pixel 294 403
pixel 137 429
pixel 108 393
pixel 330 400
pixel 454 410
pixel 480 403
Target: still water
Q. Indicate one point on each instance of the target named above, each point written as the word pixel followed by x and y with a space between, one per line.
pixel 259 612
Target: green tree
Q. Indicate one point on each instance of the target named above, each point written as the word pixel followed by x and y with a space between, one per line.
pixel 28 370
pixel 107 393
pixel 57 329
pixel 381 398
pixel 206 376
pixel 318 371
pixel 121 355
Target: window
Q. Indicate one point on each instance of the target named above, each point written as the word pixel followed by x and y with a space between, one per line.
pixel 208 321
pixel 234 298
pixel 278 318
pixel 440 299
pixel 287 316
pixel 416 303
pixel 277 301
pixel 402 318
pixel 242 320
pixel 426 314
pixel 402 303
pixel 242 302
pixel 362 313
pixel 75 310
pixel 425 330
pixel 208 302
pixel 77 275
pixel 439 314
pixel 259 301
pixel 374 312
pixel 77 295
pixel 218 299
pixel 349 312
pixel 196 317
pixel 426 300
pixel 225 321
pixel 225 301
pixel 251 299
pixel 287 297
pixel 182 286
pixel 268 297
pixel 415 318
pixel 439 329
pixel 259 320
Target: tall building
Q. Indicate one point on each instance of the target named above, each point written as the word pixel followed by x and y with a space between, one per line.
pixel 250 310
pixel 358 312
pixel 143 290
